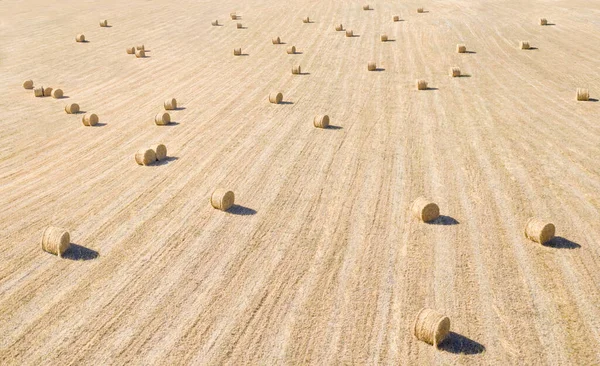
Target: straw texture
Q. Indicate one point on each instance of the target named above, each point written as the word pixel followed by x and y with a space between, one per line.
pixel 222 199
pixel 55 240
pixel 425 210
pixel 539 230
pixel 431 326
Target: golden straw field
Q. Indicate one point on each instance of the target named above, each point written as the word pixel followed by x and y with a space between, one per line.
pixel 397 171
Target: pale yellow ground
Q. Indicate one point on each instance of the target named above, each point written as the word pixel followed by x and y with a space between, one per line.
pixel 321 263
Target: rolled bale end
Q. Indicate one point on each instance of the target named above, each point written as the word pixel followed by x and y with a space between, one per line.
pixel 104 23
pixel 425 210
pixel 275 98
pixel 524 45
pixel 371 66
pixel 419 10
pixel 349 33
pixel 276 40
pixel 421 84
pixel 161 152
pixel 140 47
pixel 461 48
pixel 90 119
pixel 162 119
pixel 140 53
pixel 130 50
pixel 170 104
pixel 55 240
pixel 239 26
pixel 28 84
pixel 321 121
pixel 455 72
pixel 47 92
pixel 57 93
pixel 145 157
pixel 396 18
pixel 431 326
pixel 233 16
pixel 384 38
pixel 38 92
pixel 237 51
pixel 306 20
pixel 539 231
pixel 296 70
pixel 80 38
pixel 215 23
pixel 291 50
pixel 583 95
pixel 222 199
pixel 366 7
pixel 543 21
pixel 339 28
pixel 72 108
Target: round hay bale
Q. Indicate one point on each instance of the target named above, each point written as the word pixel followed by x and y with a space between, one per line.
pixel 455 72
pixel 349 33
pixel 47 92
pixel 55 240
pixel 419 10
pixel 140 47
pixel 431 326
pixel 145 157
pixel 524 45
pixel 396 18
pixel 384 38
pixel 38 92
pixel 291 50
pixel 240 26
pixel 72 108
pixel 170 104
pixel 161 152
pixel 461 48
pixel 275 98
pixel 306 20
pixel 339 28
pixel 276 40
pixel 539 231
pixel 321 121
pixel 543 21
pixel 104 23
pixel 372 66
pixel 583 95
pixel 366 7
pixel 162 119
pixel 57 93
pixel 222 199
pixel 425 210
pixel 296 70
pixel 237 51
pixel 215 23
pixel 233 16
pixel 140 53
pixel 80 38
pixel 90 119
pixel 28 84
pixel 130 50
pixel 421 85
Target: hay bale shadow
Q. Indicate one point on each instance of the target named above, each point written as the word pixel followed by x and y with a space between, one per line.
pixel 332 127
pixel 79 253
pixel 558 242
pixel 379 69
pixel 444 220
pixel 592 100
pixel 286 102
pixel 241 210
pixel 166 160
pixel 458 344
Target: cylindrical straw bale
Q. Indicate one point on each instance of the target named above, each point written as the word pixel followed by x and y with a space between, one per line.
pixel 140 53
pixel 237 51
pixel 80 38
pixel 170 104
pixel 421 85
pixel 543 21
pixel 539 231
pixel 366 7
pixel 140 47
pixel 104 23
pixel 28 84
pixel 215 23
pixel 162 119
pixel 55 240
pixel 72 108
pixel 57 93
pixel 296 70
pixel 461 48
pixel 419 10
pixel 396 18
pixel 222 199
pixel 321 121
pixel 306 20
pixel 145 157
pixel 233 16
pixel 349 33
pixel 161 152
pixel 276 40
pixel 275 98
pixel 291 50
pixel 425 210
pixel 583 95
pixel 431 326
pixel 339 27
pixel 131 50
pixel 455 72
pixel 384 38
pixel 47 92
pixel 524 45
pixel 38 92
pixel 239 26
pixel 90 119
pixel 371 66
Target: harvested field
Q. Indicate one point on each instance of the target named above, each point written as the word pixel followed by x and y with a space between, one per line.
pixel 321 260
